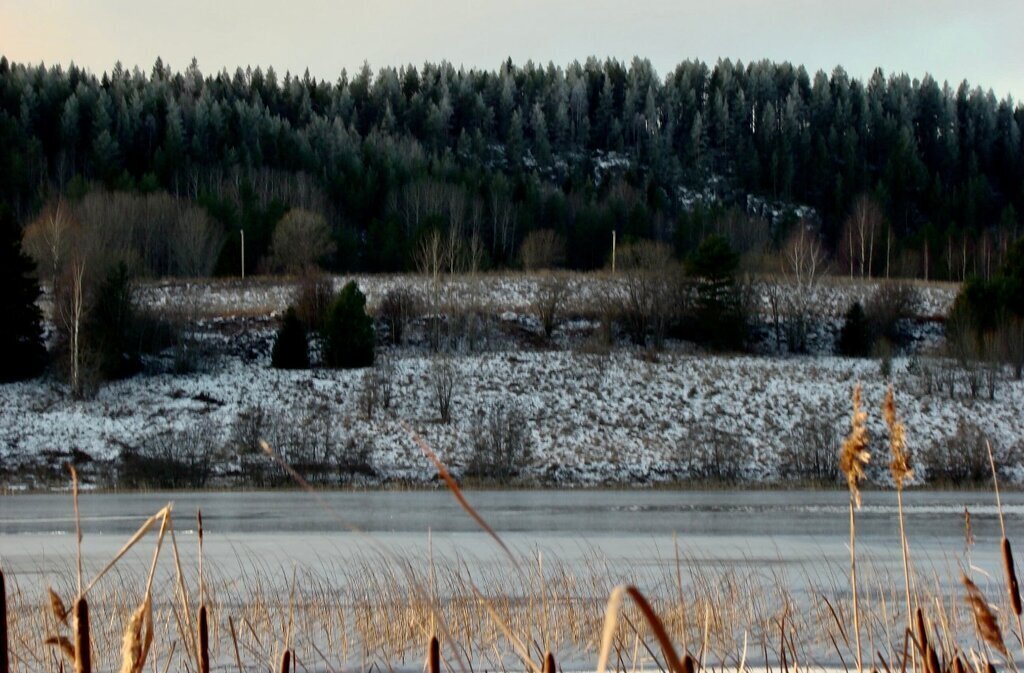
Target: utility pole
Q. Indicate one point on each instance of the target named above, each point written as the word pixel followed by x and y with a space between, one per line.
pixel 243 253
pixel 613 251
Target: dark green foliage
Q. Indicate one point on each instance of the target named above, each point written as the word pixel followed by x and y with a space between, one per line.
pixel 348 334
pixel 22 355
pixel 855 336
pixel 719 318
pixel 112 326
pixel 986 304
pixel 360 144
pixel 291 348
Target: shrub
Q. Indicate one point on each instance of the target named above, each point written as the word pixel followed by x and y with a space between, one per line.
pixel 291 349
pixel 855 335
pixel 399 307
pixel 888 309
pixel 963 458
pixel 542 249
pixel 313 300
pixel 349 331
pixel 377 388
pixel 711 454
pixel 443 377
pixel 811 452
pixel 177 459
pixel 501 443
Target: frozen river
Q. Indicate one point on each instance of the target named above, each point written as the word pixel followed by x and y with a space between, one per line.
pixel 628 528
pixel 341 541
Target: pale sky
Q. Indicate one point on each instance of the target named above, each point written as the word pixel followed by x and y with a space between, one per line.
pixel 952 39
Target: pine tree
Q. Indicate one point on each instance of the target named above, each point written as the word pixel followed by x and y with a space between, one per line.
pixel 349 331
pixel 22 355
pixel 291 349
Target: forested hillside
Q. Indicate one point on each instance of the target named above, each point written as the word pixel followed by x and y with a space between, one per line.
pixel 936 171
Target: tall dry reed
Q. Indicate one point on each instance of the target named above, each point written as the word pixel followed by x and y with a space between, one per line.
pixel 852 460
pixel 899 467
pixel 5 659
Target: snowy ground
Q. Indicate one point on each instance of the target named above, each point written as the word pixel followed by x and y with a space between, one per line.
pixel 497 292
pixel 591 415
pixel 592 418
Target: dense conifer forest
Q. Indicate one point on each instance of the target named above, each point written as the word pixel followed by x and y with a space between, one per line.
pixel 744 150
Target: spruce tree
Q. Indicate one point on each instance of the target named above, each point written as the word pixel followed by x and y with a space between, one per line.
pixel 22 355
pixel 855 336
pixel 349 331
pixel 291 349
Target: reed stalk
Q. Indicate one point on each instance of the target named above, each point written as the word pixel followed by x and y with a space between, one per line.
pixel 5 661
pixel 901 471
pixel 1009 569
pixel 852 459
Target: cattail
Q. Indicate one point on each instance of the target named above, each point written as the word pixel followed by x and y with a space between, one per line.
pixel 5 663
pixel 204 641
pixel 434 656
pixel 922 632
pixel 286 662
pixel 549 663
pixel 984 620
pixel 83 654
pixel 932 661
pixel 1011 577
pixel 854 455
pixel 688 664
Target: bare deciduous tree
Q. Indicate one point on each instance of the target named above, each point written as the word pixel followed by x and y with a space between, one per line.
pixel 49 239
pixel 803 261
pixel 542 249
pixel 195 244
pixel 301 239
pixel 649 274
pixel 548 301
pixel 860 232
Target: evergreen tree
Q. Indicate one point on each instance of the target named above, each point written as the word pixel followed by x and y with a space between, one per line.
pixel 22 355
pixel 291 348
pixel 349 331
pixel 112 329
pixel 855 336
pixel 720 318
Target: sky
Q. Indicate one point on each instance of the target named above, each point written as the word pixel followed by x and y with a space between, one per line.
pixel 951 39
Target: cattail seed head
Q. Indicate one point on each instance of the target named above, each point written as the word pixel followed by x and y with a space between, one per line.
pixel 204 641
pixel 1011 577
pixel 83 654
